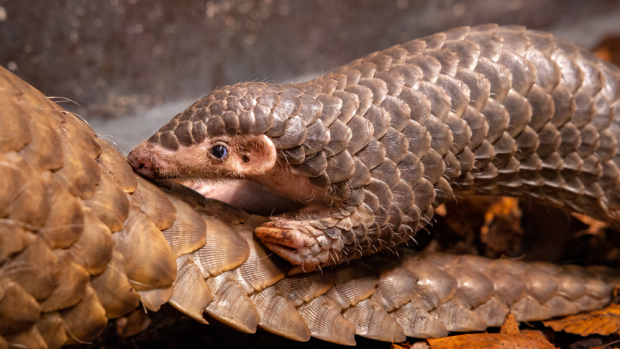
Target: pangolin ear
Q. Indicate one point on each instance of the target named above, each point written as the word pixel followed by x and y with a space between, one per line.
pixel 258 157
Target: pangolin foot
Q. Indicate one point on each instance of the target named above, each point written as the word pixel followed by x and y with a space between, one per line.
pixel 301 243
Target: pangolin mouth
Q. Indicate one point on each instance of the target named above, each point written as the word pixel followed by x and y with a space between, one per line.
pixel 143 170
pixel 150 172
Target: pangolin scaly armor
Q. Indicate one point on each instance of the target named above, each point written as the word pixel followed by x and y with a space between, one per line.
pixel 383 141
pixel 83 239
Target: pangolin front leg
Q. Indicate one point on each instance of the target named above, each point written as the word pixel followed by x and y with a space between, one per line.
pixel 308 235
pixel 301 242
pixel 381 142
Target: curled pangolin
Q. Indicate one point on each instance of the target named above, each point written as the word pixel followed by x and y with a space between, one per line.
pixel 83 239
pixel 371 149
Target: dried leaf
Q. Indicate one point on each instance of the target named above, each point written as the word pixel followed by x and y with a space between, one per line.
pixel 492 341
pixel 405 345
pixel 609 50
pixel 501 230
pixel 510 325
pixel 594 227
pixel 504 207
pixel 603 322
pixel 441 210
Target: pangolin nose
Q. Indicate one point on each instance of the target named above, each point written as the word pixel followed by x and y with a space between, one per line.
pixel 141 164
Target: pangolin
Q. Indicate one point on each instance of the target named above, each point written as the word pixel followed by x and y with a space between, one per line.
pixel 371 149
pixel 84 239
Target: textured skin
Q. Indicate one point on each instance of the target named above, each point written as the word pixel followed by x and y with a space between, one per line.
pixel 83 239
pixel 389 137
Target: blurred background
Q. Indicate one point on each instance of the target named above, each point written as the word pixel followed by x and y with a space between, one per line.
pixel 131 65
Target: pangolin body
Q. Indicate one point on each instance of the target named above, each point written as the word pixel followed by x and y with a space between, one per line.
pixel 83 239
pixel 373 147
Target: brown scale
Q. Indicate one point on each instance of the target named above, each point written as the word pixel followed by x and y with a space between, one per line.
pixel 101 239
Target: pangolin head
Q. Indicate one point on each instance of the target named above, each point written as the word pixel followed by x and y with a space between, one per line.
pixel 224 135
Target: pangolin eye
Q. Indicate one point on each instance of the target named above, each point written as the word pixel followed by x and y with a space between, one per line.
pixel 219 151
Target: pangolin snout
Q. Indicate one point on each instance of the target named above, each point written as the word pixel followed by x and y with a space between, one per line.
pixel 142 163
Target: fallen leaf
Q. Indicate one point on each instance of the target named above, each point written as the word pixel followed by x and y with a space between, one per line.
pixel 441 210
pixel 504 207
pixel 539 332
pixel 609 50
pixel 492 341
pixel 501 230
pixel 510 325
pixel 594 226
pixel 603 322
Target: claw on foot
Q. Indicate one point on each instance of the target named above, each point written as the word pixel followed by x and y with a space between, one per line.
pixel 303 245
pixel 287 253
pixel 286 237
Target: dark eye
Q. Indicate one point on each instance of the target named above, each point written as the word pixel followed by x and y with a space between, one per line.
pixel 219 151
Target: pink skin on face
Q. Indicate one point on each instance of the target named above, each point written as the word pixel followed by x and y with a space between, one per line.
pixel 141 161
pixel 246 156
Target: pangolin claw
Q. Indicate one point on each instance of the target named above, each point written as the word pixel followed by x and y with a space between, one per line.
pixel 301 243
pixel 281 236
